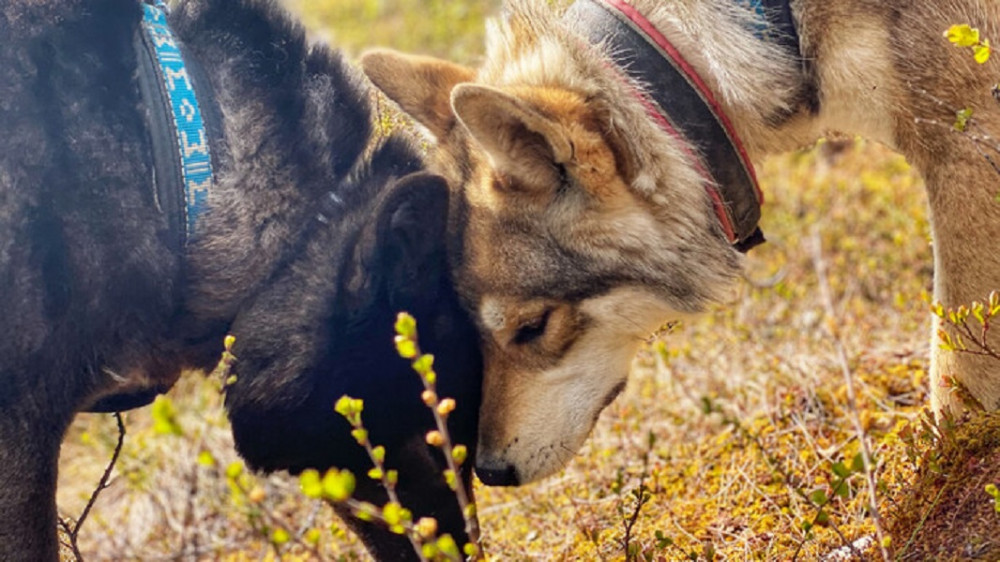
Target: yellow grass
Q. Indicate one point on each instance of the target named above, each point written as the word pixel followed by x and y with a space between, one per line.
pixel 729 424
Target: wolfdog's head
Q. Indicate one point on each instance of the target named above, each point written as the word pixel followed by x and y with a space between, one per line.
pixel 584 229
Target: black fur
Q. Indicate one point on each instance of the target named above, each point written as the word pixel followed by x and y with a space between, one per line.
pixel 99 313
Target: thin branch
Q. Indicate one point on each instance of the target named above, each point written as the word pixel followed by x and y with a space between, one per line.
pixel 74 532
pixel 269 520
pixel 408 346
pixel 852 405
pixel 985 349
pixel 641 499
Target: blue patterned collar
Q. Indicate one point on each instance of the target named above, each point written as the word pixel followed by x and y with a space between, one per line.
pixel 180 141
pixel 775 22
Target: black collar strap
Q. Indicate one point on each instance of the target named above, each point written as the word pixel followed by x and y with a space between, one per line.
pixel 676 97
pixel 181 129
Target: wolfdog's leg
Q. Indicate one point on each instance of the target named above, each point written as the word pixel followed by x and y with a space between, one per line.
pixel 965 219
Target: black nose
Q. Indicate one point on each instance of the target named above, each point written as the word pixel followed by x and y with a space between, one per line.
pixel 505 475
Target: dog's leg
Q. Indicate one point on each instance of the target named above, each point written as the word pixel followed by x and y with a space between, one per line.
pixel 29 455
pixel 965 215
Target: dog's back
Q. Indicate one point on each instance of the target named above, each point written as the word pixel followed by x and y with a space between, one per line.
pixel 81 246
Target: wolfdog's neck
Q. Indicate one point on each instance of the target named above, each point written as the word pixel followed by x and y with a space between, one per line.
pixel 760 84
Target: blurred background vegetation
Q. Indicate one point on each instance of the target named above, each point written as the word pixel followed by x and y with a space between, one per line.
pixel 730 427
pixel 452 29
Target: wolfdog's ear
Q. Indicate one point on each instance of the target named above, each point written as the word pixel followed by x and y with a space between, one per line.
pixel 421 86
pixel 412 225
pixel 524 144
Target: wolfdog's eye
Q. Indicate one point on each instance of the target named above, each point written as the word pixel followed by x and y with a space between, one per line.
pixel 533 329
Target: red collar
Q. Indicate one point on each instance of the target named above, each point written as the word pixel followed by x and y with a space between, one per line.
pixel 682 105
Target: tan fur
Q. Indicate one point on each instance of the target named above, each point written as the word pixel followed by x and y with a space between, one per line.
pixel 586 225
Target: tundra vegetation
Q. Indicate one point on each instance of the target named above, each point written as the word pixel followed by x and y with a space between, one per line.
pixel 790 425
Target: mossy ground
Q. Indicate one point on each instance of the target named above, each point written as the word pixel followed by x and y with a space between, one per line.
pixel 947 514
pixel 731 425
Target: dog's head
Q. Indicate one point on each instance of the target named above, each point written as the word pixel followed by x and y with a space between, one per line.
pixel 579 238
pixel 323 328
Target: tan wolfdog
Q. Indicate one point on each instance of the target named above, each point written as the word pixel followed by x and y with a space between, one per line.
pixel 597 205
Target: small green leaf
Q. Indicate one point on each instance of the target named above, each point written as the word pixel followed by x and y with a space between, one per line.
pixel 165 417
pixel 424 363
pixel 338 485
pixel 312 536
pixel 938 310
pixel 962 118
pixel 946 343
pixel 707 407
pixel 818 497
pixel 858 463
pixel 977 313
pixel 360 435
pixel 205 458
pixel 962 35
pixel 406 325
pixel 393 513
pixel 840 469
pixel 405 347
pixel 348 407
pixel 982 51
pixel 459 453
pixel 841 488
pixel 280 536
pixel 448 546
pixel 429 550
pixel 311 484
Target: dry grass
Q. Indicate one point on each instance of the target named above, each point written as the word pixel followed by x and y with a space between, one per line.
pixel 716 451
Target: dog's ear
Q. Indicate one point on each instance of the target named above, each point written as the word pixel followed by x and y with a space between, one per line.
pixel 420 85
pixel 525 145
pixel 411 233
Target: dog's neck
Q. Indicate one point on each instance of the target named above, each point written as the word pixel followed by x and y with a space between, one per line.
pixel 292 125
pixel 779 100
pixel 677 98
pixel 760 82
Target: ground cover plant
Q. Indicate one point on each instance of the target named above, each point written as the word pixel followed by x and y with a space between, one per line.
pixel 789 425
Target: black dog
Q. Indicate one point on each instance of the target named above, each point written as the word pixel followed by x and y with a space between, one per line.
pixel 305 341
pixel 107 296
